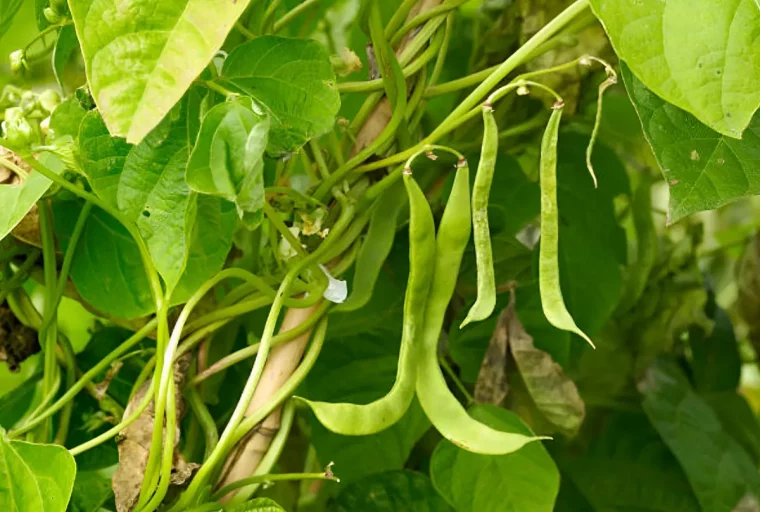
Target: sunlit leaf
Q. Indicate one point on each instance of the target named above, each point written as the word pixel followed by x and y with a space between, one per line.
pixel 700 55
pixel 141 56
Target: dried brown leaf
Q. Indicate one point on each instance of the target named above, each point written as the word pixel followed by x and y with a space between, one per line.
pixel 135 443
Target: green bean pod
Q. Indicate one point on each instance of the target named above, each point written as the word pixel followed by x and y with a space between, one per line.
pixel 361 420
pixel 486 300
pixel 375 248
pixel 548 257
pixel 440 405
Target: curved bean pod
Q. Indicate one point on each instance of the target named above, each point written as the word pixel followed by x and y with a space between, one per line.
pixel 548 257
pixel 361 420
pixel 486 300
pixel 442 408
pixel 375 249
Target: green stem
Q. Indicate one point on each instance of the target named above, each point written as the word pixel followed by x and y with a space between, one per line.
pixel 93 372
pixel 205 420
pixel 48 332
pixel 250 351
pixel 268 15
pixel 269 478
pixel 292 14
pixel 277 222
pixel 71 374
pixel 319 158
pixel 425 16
pixel 243 30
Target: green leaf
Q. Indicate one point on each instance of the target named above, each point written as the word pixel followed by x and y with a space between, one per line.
pixel 257 505
pixel 293 80
pixel 701 55
pixel 92 490
pixel 524 480
pixel 715 360
pixel 67 117
pixel 15 404
pixel 367 366
pixel 719 470
pixel 625 467
pixel 738 419
pixel 210 243
pixel 8 10
pixel 703 168
pixel 107 269
pixel 65 47
pixel 102 156
pixel 140 59
pixel 152 194
pixel 17 200
pixel 35 477
pixel 228 158
pixel 394 491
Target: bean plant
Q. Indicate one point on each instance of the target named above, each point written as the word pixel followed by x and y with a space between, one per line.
pixel 374 256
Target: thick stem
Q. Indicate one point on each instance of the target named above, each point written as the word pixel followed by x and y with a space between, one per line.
pixel 282 362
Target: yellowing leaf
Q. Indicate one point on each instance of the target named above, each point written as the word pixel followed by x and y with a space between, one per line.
pixel 142 55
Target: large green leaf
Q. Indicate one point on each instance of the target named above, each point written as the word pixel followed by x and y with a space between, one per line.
pixel 141 56
pixel 701 55
pixel 293 80
pixel 625 467
pixel 66 118
pixel 35 476
pixel 524 480
pixel 17 200
pixel 257 505
pixel 719 470
pixel 703 168
pixel 107 269
pixel 228 158
pixel 394 491
pixel 367 365
pixel 102 157
pixel 153 195
pixel 8 10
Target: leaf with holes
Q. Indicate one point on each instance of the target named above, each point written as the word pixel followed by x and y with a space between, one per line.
pixel 142 55
pixel 703 168
pixel 701 55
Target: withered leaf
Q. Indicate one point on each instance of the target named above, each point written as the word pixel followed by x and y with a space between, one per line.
pixel 492 385
pixel 134 446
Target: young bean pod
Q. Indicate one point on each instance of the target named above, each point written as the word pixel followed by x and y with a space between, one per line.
pixel 375 249
pixel 439 404
pixel 360 420
pixel 486 300
pixel 548 256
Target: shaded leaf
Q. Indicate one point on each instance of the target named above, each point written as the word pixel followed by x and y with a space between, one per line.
pixel 16 403
pixel 92 490
pixel 737 419
pixel 228 158
pixel 700 55
pixel 626 466
pixel 524 480
pixel 107 269
pixel 395 491
pixel 703 168
pixel 293 80
pixel 36 477
pixel 367 364
pixel 141 57
pixel 65 48
pixel 715 360
pixel 719 470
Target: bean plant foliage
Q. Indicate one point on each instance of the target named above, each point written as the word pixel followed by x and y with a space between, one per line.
pixel 379 255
